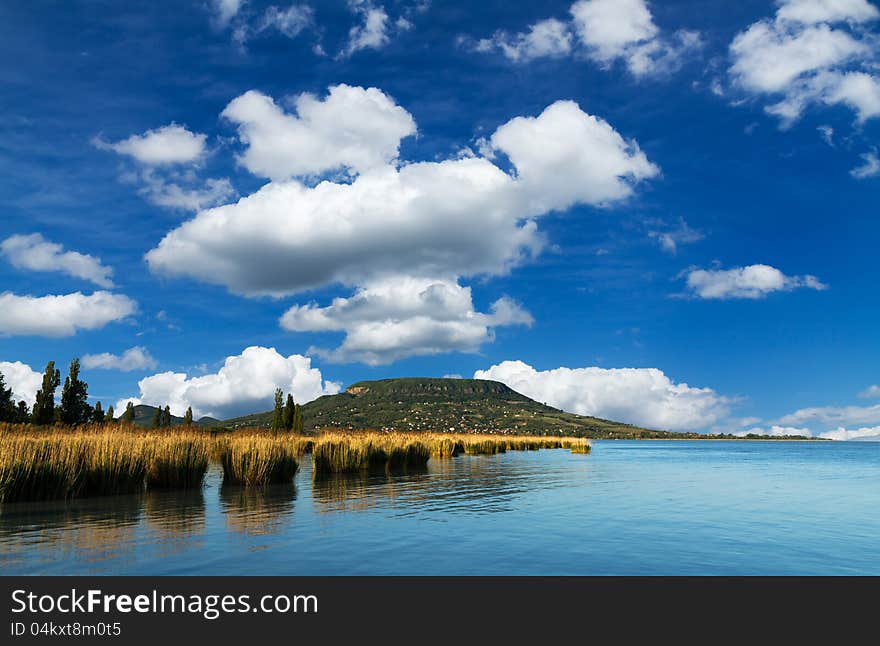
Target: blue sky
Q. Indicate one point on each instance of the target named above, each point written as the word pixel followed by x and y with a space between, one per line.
pixel 681 232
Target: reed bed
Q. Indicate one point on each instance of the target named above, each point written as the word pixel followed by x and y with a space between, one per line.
pixel 258 459
pixel 45 463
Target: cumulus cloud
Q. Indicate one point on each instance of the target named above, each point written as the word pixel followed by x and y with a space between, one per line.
pixel 352 128
pixel 641 396
pixel 35 253
pixel 404 316
pixel 447 219
pixel 245 384
pixel 753 281
pixel 61 315
pixel 870 167
pixel 669 239
pixel 171 144
pixel 810 52
pixel 136 358
pixel 24 381
pixel 290 21
pixel 871 392
pixel 388 220
pixel 606 31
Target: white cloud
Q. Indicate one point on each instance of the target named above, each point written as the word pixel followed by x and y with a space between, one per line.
pixel 35 253
pixel 226 10
pixel 353 128
pixel 870 167
pixel 827 133
pixel 458 217
pixel 607 31
pixel 290 22
pixel 641 396
pixel 426 223
pixel 62 315
pixel 834 416
pixel 753 281
pixel 136 358
pixel 174 194
pixel 171 144
pixel 811 51
pixel 245 384
pixel 815 11
pixel 870 392
pixel 372 33
pixel 545 38
pixel 863 434
pixel 400 317
pixel 670 239
pixel 24 381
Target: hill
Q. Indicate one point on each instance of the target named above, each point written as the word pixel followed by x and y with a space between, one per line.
pixel 459 405
pixel 143 416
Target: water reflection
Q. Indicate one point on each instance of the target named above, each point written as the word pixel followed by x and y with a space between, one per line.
pixel 175 514
pixel 258 510
pixel 88 531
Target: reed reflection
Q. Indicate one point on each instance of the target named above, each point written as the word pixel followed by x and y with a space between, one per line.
pixel 258 511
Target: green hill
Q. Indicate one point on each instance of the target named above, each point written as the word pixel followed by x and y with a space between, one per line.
pixel 459 405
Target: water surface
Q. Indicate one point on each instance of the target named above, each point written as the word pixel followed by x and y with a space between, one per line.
pixel 648 507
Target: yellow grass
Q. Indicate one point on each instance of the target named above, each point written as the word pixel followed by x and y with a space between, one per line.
pixel 42 463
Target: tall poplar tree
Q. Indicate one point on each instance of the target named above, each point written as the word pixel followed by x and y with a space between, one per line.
pixel 109 417
pixel 98 414
pixel 188 417
pixel 128 415
pixel 44 407
pixel 75 407
pixel 298 420
pixel 278 417
pixel 289 412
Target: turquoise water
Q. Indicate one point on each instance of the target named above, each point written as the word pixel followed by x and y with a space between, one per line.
pixel 674 507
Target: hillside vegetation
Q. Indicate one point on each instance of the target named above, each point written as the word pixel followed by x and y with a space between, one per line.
pixel 446 405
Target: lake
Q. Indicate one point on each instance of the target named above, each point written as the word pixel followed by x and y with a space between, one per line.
pixel 630 507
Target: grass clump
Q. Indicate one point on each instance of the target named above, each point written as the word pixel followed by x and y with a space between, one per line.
pixel 178 462
pixel 257 460
pixel 354 453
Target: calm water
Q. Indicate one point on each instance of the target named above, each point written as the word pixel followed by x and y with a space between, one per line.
pixel 628 508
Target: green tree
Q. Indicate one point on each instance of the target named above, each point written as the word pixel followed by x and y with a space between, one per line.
pixel 278 417
pixel 157 418
pixel 166 416
pixel 22 415
pixel 7 404
pixel 289 412
pixel 75 407
pixel 188 416
pixel 128 415
pixel 298 420
pixel 44 407
pixel 110 416
pixel 98 414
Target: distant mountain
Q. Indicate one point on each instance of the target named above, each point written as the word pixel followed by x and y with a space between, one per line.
pixel 143 416
pixel 460 405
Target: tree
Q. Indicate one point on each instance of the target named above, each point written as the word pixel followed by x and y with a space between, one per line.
pixel 98 414
pixel 298 420
pixel 110 416
pixel 44 407
pixel 289 412
pixel 128 415
pixel 157 418
pixel 75 407
pixel 22 415
pixel 166 416
pixel 188 416
pixel 278 417
pixel 7 404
